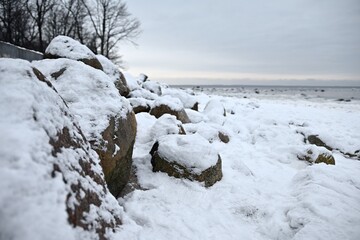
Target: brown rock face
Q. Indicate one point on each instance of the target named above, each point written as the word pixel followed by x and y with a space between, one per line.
pixel 93 62
pixel 223 137
pixel 121 84
pixel 84 197
pixel 181 115
pixel 209 176
pixel 116 151
pixel 314 139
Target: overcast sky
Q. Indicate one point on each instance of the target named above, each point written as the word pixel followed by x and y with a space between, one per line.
pixel 230 41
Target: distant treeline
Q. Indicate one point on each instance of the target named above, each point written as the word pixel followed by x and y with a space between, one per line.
pixel 99 24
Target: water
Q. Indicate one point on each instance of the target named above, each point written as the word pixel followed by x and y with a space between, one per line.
pixel 345 94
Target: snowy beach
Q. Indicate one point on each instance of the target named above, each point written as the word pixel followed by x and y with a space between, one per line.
pixel 91 153
pixel 266 191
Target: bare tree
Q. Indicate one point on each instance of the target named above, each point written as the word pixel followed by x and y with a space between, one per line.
pixel 38 10
pixel 14 22
pixel 112 23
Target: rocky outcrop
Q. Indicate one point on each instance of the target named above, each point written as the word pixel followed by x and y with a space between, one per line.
pixel 169 105
pixel 105 117
pixel 187 156
pixel 66 47
pixel 50 176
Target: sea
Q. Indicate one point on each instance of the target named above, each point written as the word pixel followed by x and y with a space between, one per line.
pixel 341 94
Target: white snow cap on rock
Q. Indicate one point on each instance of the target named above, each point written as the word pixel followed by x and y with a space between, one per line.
pixel 34 196
pixel 165 125
pixel 63 46
pixel 172 102
pixel 191 151
pixel 90 94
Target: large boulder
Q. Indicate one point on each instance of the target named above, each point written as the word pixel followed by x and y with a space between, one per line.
pixel 114 73
pixel 106 118
pixel 169 105
pixel 52 185
pixel 187 156
pixel 66 47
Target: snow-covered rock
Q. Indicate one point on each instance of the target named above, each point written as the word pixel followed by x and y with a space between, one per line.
pixel 315 154
pixel 215 111
pixel 188 99
pixel 153 87
pixel 165 125
pixel 169 105
pixel 115 74
pixel 105 117
pixel 51 181
pixel 187 156
pixel 66 47
pixel 140 104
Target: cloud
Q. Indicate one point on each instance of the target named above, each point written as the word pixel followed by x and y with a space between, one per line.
pixel 280 37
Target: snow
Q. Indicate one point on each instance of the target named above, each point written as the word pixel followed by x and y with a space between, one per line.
pixel 165 125
pixel 89 93
pixel 192 151
pixel 172 102
pixel 109 68
pixel 67 47
pixel 186 97
pixel 266 192
pixel 33 203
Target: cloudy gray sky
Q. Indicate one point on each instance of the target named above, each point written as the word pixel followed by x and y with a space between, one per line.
pixel 238 41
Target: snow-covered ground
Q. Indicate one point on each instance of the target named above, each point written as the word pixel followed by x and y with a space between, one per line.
pixel 266 192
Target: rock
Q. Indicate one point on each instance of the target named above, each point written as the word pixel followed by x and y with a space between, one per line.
pixel 66 47
pixel 215 107
pixel 143 77
pixel 140 105
pixel 195 107
pixel 153 87
pixel 210 131
pixel 106 118
pixel 169 105
pixel 116 150
pixel 314 139
pixel 115 74
pixel 314 154
pixel 165 125
pixel 51 179
pixel 224 137
pixel 187 156
pixel 195 116
pixel 186 97
pixel 143 93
